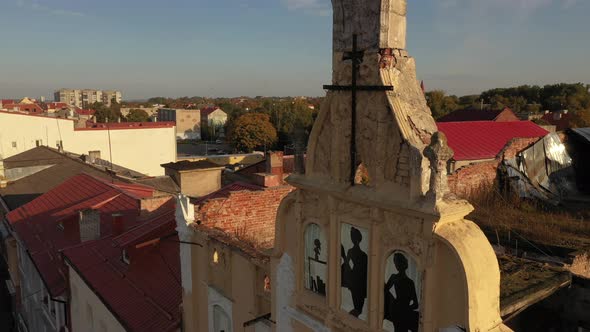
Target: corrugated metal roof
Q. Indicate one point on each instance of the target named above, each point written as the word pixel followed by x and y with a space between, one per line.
pixel 485 139
pixel 583 132
pixel 36 223
pixel 146 294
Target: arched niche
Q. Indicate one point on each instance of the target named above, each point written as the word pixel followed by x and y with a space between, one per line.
pixel 315 258
pixel 402 298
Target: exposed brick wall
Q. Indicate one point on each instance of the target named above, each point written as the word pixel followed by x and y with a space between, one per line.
pixel 471 178
pixel 248 214
pixel 506 116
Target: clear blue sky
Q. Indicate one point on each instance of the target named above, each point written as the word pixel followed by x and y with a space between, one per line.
pixel 275 47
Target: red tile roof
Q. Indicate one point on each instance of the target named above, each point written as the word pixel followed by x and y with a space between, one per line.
pixel 209 110
pixel 505 114
pixel 6 101
pixel 485 139
pixel 33 108
pixel 145 294
pixel 36 223
pixel 56 106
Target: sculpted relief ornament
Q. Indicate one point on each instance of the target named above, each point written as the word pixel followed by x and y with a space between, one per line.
pixel 371 236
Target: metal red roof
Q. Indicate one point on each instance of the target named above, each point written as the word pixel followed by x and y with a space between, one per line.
pixel 474 140
pixel 36 223
pixel 146 294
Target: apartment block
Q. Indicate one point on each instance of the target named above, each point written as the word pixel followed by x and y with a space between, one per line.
pixel 83 98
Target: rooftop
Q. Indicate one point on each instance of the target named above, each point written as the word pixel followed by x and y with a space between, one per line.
pixel 146 294
pixel 478 115
pixel 185 165
pixel 58 168
pixel 37 222
pixel 485 139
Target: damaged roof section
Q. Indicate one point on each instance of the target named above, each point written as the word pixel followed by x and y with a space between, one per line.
pixel 524 283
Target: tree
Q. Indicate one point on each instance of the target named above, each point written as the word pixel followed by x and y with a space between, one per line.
pixel 104 113
pixel 138 115
pixel 252 130
pixel 580 119
pixel 440 104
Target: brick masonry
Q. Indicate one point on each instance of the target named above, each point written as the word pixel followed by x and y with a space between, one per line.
pixel 249 215
pixel 477 176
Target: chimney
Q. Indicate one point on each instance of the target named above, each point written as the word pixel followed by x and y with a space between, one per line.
pixel 89 225
pixel 274 163
pixel 118 225
pixel 92 156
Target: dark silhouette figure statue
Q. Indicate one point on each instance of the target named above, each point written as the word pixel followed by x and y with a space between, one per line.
pixel 316 283
pixel 317 249
pixel 401 309
pixel 355 278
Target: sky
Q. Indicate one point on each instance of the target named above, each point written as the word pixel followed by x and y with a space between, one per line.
pixel 225 48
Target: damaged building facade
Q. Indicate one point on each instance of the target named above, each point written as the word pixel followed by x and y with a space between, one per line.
pixel 370 240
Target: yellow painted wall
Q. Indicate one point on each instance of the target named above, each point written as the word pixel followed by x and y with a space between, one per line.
pixel 88 313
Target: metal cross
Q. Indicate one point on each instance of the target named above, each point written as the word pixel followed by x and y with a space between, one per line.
pixel 357 58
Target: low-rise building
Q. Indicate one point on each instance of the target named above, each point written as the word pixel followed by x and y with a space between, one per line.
pixel 213 121
pixel 499 115
pixel 188 122
pixel 79 210
pixel 479 147
pixel 128 281
pixel 139 146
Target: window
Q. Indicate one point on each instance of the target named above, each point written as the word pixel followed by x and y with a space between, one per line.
pixel 221 320
pixel 354 249
pixel 215 257
pixel 89 315
pixel 267 283
pixel 38 142
pixel 401 307
pixel 316 259
pixel 14 144
pixel 125 257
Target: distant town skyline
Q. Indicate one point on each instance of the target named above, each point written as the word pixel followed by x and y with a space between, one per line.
pixel 228 48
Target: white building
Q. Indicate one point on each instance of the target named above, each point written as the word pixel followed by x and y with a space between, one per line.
pixel 140 147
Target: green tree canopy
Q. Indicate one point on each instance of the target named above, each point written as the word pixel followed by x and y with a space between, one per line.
pixel 440 104
pixel 105 114
pixel 138 115
pixel 252 130
pixel 580 119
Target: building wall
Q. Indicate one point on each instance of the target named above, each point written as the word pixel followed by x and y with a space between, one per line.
pixel 82 98
pixel 471 176
pixel 142 150
pixel 88 312
pixel 37 310
pixel 250 214
pixel 506 116
pixel 235 283
pixel 197 183
pixel 188 122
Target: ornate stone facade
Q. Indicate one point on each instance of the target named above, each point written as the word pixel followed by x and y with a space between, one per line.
pixel 395 225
